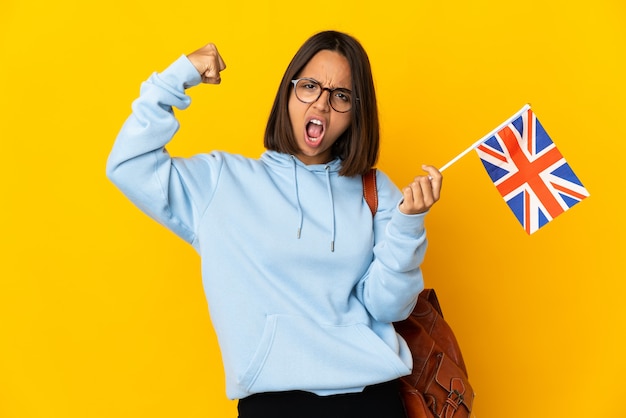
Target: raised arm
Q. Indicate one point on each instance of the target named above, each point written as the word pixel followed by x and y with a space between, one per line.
pixel 139 165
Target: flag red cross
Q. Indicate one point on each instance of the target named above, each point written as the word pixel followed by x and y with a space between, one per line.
pixel 529 171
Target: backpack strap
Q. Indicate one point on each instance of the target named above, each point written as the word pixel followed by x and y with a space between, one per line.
pixel 370 191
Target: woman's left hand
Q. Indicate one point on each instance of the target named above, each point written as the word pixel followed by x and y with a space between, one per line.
pixel 422 193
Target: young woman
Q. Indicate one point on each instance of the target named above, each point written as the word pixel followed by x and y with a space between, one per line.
pixel 302 283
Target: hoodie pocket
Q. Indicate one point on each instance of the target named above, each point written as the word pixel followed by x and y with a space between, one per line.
pixel 297 353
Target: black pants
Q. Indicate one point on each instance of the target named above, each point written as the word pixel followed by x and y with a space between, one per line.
pixel 377 401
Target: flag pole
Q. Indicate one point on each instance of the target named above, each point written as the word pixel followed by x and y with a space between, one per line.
pixel 484 138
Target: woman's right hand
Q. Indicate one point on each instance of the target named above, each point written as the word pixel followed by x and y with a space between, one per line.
pixel 209 63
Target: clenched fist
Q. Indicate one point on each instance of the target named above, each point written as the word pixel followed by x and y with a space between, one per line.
pixel 209 63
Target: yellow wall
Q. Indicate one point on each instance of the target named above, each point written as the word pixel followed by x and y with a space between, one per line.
pixel 101 309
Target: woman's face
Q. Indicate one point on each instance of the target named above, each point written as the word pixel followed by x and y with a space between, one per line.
pixel 316 126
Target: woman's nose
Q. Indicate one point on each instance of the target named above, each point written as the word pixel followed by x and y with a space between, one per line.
pixel 323 102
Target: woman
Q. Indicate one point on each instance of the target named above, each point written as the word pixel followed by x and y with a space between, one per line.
pixel 302 283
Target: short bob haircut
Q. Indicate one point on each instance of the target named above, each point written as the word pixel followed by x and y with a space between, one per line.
pixel 358 145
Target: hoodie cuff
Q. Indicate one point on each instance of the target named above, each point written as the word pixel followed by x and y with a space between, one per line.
pixel 407 225
pixel 181 74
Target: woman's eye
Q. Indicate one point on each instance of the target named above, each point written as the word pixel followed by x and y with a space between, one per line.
pixel 342 96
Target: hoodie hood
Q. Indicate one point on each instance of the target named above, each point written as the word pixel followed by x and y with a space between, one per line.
pixel 328 170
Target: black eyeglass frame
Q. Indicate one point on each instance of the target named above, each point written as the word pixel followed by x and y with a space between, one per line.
pixel 322 89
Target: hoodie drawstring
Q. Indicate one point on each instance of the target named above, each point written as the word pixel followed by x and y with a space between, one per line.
pixel 332 209
pixel 295 182
pixel 299 206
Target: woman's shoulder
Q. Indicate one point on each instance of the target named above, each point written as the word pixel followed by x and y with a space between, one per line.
pixel 387 189
pixel 383 179
pixel 228 158
pixel 214 164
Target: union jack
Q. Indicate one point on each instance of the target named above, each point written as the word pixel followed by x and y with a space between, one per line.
pixel 529 172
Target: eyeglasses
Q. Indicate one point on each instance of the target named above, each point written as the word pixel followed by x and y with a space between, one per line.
pixel 308 91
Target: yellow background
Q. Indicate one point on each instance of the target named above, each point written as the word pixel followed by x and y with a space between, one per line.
pixel 101 310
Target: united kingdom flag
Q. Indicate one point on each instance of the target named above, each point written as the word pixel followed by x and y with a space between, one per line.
pixel 529 172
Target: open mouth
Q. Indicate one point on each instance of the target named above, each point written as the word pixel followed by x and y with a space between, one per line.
pixel 314 131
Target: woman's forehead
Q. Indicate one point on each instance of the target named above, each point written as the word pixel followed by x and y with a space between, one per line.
pixel 329 68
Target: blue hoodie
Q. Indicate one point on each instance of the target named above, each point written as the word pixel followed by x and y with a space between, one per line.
pixel 301 282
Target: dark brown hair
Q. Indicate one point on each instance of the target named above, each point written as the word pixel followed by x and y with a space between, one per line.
pixel 358 145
